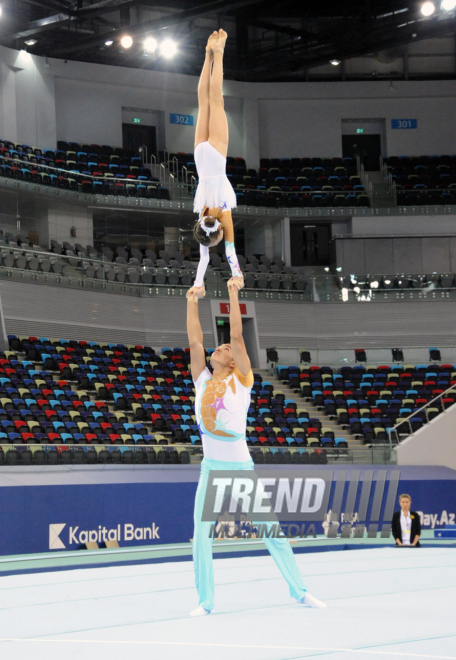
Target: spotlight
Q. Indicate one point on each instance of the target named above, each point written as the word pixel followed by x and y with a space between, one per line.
pixel 334 62
pixel 427 8
pixel 168 49
pixel 448 5
pixel 127 41
pixel 30 42
pixel 109 42
pixel 150 45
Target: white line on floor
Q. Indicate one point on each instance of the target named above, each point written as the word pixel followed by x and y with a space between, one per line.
pixel 233 646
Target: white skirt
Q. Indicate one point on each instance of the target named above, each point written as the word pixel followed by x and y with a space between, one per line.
pixel 214 188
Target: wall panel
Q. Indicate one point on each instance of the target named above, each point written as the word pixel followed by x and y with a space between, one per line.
pixel 354 256
pixel 379 255
pixel 436 254
pixel 407 255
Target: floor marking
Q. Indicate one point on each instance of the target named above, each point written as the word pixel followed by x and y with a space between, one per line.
pixel 230 646
pixel 224 584
pixel 190 570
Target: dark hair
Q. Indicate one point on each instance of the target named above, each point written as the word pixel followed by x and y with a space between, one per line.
pixel 200 234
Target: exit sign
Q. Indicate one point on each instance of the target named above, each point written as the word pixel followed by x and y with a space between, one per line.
pixel 360 130
pixel 136 120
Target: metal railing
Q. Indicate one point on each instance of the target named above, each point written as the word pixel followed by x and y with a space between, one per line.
pixel 28 264
pixel 78 176
pixel 406 420
pixel 168 174
pixel 171 454
pixel 376 356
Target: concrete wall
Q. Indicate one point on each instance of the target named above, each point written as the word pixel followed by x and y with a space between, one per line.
pixel 434 444
pixel 27 99
pixel 57 311
pixel 45 101
pixel 412 255
pixel 306 119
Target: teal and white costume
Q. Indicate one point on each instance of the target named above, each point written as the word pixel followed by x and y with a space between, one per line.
pixel 221 412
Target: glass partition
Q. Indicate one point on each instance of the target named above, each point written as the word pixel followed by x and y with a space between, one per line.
pixel 106 455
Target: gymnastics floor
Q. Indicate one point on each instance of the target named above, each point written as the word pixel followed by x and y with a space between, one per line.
pixel 382 602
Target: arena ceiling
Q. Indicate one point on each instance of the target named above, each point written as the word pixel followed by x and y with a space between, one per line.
pixel 268 40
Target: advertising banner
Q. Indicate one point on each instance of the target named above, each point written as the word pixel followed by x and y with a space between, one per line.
pixel 340 502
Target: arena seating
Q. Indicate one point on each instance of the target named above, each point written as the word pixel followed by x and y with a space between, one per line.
pixel 423 180
pixel 289 182
pixel 92 403
pixel 85 168
pixel 370 400
pixel 306 182
pixel 264 273
pixel 133 266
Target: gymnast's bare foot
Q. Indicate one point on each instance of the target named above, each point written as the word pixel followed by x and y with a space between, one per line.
pixel 211 41
pixel 219 47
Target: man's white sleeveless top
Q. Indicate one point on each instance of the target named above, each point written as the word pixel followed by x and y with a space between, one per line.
pixel 221 408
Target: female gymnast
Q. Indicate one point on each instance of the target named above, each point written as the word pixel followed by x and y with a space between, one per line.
pixel 215 196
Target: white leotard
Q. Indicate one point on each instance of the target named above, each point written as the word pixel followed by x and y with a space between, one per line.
pixel 214 188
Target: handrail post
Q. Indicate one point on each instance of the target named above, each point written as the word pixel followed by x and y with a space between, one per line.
pixel 452 388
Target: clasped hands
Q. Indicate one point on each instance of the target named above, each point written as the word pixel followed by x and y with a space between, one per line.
pixel 197 292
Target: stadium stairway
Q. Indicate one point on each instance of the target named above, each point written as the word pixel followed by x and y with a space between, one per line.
pixel 382 197
pixel 339 430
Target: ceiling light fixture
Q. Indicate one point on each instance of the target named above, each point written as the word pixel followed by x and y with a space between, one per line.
pixel 150 45
pixel 30 42
pixel 127 41
pixel 334 62
pixel 109 42
pixel 427 8
pixel 168 48
pixel 448 5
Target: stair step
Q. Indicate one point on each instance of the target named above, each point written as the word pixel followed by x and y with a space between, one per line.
pixel 337 429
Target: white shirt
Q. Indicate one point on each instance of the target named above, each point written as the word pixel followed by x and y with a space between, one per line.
pixel 221 409
pixel 406 527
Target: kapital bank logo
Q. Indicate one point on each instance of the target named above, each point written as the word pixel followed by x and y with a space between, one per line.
pixel 76 536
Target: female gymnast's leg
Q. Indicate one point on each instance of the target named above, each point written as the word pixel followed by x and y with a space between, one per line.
pixel 202 123
pixel 218 124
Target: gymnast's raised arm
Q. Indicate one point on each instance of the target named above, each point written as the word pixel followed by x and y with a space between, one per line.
pixel 195 335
